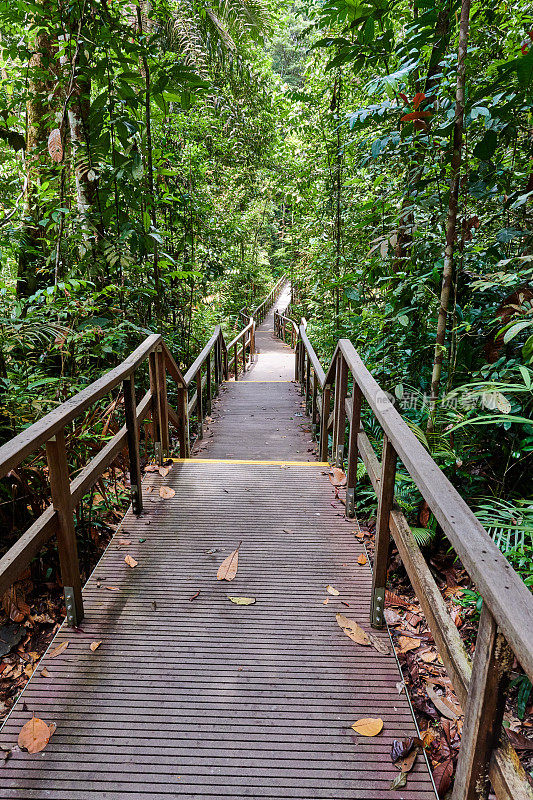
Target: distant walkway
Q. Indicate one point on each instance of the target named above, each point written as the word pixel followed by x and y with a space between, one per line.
pixel 261 415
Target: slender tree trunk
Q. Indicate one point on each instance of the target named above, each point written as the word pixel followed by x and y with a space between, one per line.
pixel 451 223
pixel 32 256
pixel 141 15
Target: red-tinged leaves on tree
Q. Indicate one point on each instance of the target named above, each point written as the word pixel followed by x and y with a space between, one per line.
pixel 417 99
pixel 55 145
pixel 415 115
pixel 404 98
pixel 442 775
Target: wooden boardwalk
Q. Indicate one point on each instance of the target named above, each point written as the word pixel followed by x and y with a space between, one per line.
pixel 191 696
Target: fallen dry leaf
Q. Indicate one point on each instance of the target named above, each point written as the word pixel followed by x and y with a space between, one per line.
pixel 407 643
pixel 337 476
pixel 352 630
pixel 362 559
pixel 392 599
pixel 58 650
pixel 379 645
pixel 95 645
pixel 44 673
pixel 332 590
pixel 228 568
pixel 326 601
pixel 518 740
pixel 166 492
pixel 112 588
pixel 242 601
pixel 368 727
pixel 130 561
pixel 124 542
pixel 442 704
pixel 442 775
pixel 163 471
pixel 35 735
pixel 399 781
pixel 428 657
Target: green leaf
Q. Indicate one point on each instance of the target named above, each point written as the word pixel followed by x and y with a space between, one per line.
pixel 515 330
pixel 485 149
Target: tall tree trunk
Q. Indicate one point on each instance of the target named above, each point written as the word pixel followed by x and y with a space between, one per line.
pixel 32 257
pixel 451 223
pixel 141 15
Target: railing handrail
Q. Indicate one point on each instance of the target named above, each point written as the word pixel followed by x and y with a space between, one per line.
pixel 512 609
pixel 508 603
pixel 243 312
pixel 191 373
pixel 241 333
pixel 12 453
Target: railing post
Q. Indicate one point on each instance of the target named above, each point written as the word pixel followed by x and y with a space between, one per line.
pixel 339 418
pixel 244 354
pixel 56 455
pixel 324 420
pixel 351 472
pixel 208 383
pixel 301 368
pixel 252 348
pixel 199 404
pixel 163 403
pixel 236 361
pixel 314 410
pixel 225 361
pixel 485 704
pixel 183 414
pixel 307 380
pixel 132 430
pixel 156 416
pixel 216 364
pixel 296 361
pixel 381 552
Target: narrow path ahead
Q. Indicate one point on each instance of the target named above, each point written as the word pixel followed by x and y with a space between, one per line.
pixel 191 696
pixel 261 416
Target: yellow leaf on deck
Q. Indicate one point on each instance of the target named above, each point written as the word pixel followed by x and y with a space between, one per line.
pixel 130 561
pixel 368 727
pixel 95 645
pixel 332 590
pixel 362 559
pixel 352 630
pixel 242 601
pixel 166 492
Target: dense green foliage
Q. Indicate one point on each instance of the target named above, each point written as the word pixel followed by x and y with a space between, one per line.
pixel 162 164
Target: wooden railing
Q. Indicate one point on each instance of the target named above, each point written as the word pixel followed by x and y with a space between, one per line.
pixel 260 311
pixel 506 624
pixel 194 394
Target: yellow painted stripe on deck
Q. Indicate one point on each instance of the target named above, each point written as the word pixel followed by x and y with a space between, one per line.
pixel 245 380
pixel 250 461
